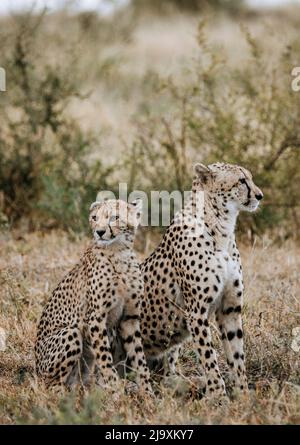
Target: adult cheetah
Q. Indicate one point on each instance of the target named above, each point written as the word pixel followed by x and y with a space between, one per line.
pixel 190 276
pixel 103 290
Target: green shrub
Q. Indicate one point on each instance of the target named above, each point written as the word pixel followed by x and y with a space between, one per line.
pixel 46 173
pixel 247 115
pixel 51 169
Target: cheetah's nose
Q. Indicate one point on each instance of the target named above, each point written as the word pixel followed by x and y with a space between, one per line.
pixel 259 196
pixel 100 233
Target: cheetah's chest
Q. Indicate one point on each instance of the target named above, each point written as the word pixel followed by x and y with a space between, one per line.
pixel 115 314
pixel 121 282
pixel 230 268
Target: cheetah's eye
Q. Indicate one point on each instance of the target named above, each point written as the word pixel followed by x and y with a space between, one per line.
pixel 242 181
pixel 114 218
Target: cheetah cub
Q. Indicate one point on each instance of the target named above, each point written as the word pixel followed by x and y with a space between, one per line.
pixel 101 292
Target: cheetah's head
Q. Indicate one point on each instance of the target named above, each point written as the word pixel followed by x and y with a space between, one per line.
pixel 231 184
pixel 115 221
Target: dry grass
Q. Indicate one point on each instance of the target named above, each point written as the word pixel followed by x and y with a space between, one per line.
pixel 31 265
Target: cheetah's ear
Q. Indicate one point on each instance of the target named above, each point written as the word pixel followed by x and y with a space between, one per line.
pixel 104 195
pixel 137 207
pixel 202 172
pixel 137 204
pixel 95 204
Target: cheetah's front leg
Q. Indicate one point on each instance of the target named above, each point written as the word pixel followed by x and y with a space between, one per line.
pixel 200 330
pixel 171 358
pixel 230 323
pixel 102 351
pixel 131 336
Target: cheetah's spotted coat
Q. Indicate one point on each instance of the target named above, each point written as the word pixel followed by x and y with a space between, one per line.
pixel 189 277
pixel 103 290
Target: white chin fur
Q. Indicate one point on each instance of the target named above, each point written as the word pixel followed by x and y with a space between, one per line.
pixel 104 242
pixel 251 207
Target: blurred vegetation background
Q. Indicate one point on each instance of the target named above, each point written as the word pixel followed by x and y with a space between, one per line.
pixel 139 96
